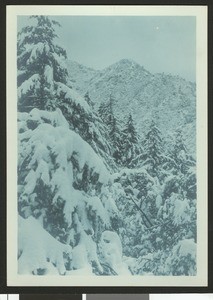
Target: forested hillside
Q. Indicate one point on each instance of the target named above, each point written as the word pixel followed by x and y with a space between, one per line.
pixel 106 165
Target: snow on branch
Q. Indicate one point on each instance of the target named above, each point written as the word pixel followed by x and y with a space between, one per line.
pixel 50 149
pixel 72 96
pixel 32 83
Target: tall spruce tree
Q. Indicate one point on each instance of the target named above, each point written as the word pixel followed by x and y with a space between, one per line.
pixel 131 148
pixel 40 62
pixel 116 139
pixel 42 78
pixel 184 166
pixel 180 154
pixel 106 111
pixel 153 149
pixel 60 176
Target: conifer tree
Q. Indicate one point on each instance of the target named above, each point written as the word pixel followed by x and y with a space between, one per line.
pixel 40 63
pixel 180 154
pixel 106 112
pixel 131 147
pixel 185 166
pixel 63 184
pixel 42 78
pixel 116 139
pixel 60 170
pixel 153 148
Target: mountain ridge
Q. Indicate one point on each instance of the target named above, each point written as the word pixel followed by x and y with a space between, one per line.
pixel 121 61
pixel 169 99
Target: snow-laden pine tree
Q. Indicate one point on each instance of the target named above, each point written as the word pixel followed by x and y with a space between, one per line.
pixel 181 176
pixel 106 111
pixel 131 148
pixel 65 186
pixel 153 149
pixel 42 78
pixel 115 135
pixel 180 154
pixel 41 64
pixel 63 168
pixel 116 138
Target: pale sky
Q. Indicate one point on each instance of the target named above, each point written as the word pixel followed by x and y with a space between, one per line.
pixel 160 44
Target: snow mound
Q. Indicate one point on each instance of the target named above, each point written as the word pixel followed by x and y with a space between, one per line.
pixel 38 250
pixel 186 247
pixel 111 250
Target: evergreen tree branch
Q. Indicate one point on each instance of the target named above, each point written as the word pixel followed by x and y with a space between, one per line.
pixel 145 216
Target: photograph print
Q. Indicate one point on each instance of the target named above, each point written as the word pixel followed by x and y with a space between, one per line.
pixel 107 164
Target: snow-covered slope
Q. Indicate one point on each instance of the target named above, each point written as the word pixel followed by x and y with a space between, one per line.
pixel 80 76
pixel 170 100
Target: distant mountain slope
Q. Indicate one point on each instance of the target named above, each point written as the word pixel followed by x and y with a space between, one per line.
pixel 80 76
pixel 171 100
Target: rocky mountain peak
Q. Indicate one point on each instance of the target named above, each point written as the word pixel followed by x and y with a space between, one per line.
pixel 170 98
